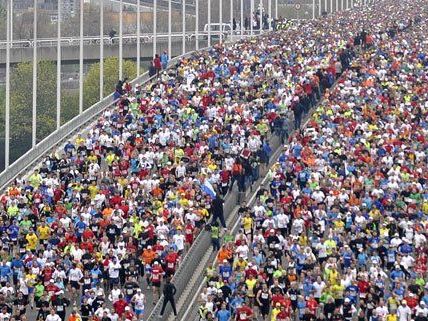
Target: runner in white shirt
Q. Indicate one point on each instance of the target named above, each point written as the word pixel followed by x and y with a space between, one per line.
pixel 422 309
pixel 113 271
pixel 404 313
pixel 101 310
pixel 139 301
pixel 243 250
pixel 114 294
pixel 74 276
pixel 4 315
pixel 53 316
pixel 407 262
pixel 319 286
pixel 179 240
pixel 381 310
pixel 282 221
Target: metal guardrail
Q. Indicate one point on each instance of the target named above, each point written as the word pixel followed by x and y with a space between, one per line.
pixel 51 143
pixel 88 40
pixel 177 4
pixel 127 39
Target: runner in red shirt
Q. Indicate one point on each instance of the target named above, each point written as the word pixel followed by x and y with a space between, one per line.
pixel 225 176
pixel 188 233
pixel 312 305
pixel 244 313
pixel 120 305
pixel 284 314
pixel 128 314
pixel 156 277
pixel 171 262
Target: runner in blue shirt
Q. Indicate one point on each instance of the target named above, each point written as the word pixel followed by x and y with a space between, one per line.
pixel 223 314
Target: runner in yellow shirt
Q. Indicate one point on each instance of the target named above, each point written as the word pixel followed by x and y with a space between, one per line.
pixel 247 225
pixel 93 190
pixel 240 263
pixel 391 317
pixel 35 179
pixel 251 284
pixel 32 241
pixel 44 231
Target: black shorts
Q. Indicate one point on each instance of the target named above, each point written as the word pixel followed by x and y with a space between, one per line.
pixel 264 309
pixel 114 281
pixel 75 285
pixel 156 284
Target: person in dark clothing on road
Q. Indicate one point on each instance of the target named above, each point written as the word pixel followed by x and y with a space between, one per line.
pixel 60 304
pixel 298 113
pixel 345 59
pixel 119 90
pixel 169 291
pixel 217 210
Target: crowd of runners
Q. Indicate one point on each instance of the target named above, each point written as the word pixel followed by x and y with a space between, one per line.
pixel 339 231
pixel 337 234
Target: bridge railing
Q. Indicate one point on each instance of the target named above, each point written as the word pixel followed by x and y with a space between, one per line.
pixel 131 38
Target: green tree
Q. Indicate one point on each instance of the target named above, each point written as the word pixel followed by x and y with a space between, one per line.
pixel 21 101
pixel 3 18
pixel 21 104
pixel 91 86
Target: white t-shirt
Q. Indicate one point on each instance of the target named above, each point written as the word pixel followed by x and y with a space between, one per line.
pixel 298 225
pixel 318 196
pixel 75 275
pixel 114 295
pixel 54 317
pixel 100 311
pixel 282 220
pixel 318 287
pixel 404 313
pixel 423 310
pixel 322 250
pixel 4 316
pixel 243 250
pixel 179 241
pixel 113 316
pixel 407 261
pixel 139 301
pixel 113 270
pixel 382 312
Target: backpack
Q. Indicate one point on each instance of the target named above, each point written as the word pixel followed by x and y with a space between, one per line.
pixel 236 169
